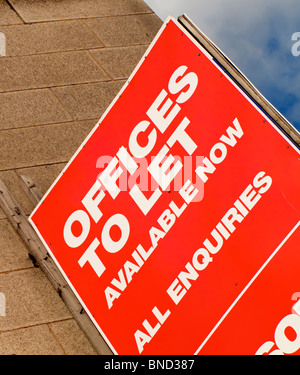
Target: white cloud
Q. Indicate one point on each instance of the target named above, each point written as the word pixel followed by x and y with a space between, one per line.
pixel 256 36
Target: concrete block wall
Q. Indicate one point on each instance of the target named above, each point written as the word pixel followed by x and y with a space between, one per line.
pixel 65 62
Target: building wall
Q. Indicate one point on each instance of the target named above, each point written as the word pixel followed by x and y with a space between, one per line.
pixel 65 62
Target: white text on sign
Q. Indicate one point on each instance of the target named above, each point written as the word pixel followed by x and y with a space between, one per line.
pixel 161 113
pixel 203 256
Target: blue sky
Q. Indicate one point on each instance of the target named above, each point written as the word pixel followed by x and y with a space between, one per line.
pixel 257 36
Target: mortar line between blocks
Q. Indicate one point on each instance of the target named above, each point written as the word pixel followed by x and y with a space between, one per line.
pixel 61 103
pixel 79 18
pixel 92 32
pixel 56 338
pixel 98 63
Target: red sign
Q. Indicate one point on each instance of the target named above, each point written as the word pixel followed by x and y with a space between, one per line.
pixel 177 221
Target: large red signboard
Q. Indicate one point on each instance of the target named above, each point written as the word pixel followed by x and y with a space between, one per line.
pixel 177 221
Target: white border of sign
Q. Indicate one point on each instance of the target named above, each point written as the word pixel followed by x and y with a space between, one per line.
pixel 97 125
